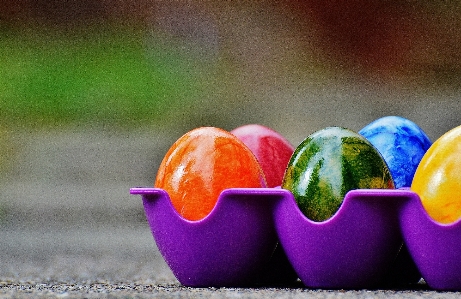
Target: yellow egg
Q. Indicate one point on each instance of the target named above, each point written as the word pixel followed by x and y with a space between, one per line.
pixel 437 179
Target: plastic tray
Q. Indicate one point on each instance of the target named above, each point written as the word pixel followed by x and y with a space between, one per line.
pixel 435 247
pixel 232 246
pixel 236 244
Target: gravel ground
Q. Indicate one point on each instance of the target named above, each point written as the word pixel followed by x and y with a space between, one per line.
pixel 137 290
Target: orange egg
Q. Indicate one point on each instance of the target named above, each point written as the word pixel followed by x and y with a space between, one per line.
pixel 437 179
pixel 200 165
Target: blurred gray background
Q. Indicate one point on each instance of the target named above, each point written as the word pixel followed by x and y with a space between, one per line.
pixel 93 93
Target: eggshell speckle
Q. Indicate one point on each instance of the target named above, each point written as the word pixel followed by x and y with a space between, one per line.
pixel 402 144
pixel 271 149
pixel 329 163
pixel 437 179
pixel 200 165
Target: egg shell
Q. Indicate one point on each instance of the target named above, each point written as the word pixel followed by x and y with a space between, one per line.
pixel 271 149
pixel 200 165
pixel 328 164
pixel 402 144
pixel 437 179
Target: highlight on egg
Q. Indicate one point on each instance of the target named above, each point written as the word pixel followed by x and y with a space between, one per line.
pixel 200 165
pixel 271 149
pixel 328 164
pixel 437 179
pixel 401 142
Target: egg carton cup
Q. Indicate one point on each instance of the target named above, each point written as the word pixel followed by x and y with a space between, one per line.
pixel 231 246
pixel 355 248
pixel 434 247
pixel 255 231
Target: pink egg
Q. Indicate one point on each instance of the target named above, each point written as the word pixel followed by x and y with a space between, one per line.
pixel 271 149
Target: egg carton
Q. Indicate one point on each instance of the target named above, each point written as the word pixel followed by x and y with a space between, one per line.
pixel 258 236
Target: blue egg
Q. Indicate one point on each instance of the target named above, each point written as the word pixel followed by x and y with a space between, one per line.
pixel 402 144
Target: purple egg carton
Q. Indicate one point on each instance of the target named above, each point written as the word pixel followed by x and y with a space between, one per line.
pixel 229 247
pixel 434 247
pixel 359 247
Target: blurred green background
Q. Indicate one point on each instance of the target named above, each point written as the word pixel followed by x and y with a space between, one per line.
pixel 165 67
pixel 125 64
pixel 94 75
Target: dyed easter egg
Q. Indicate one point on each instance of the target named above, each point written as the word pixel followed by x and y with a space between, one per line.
pixel 200 165
pixel 437 179
pixel 401 143
pixel 271 149
pixel 328 164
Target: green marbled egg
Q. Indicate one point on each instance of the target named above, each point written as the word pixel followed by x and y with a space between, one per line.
pixel 328 164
